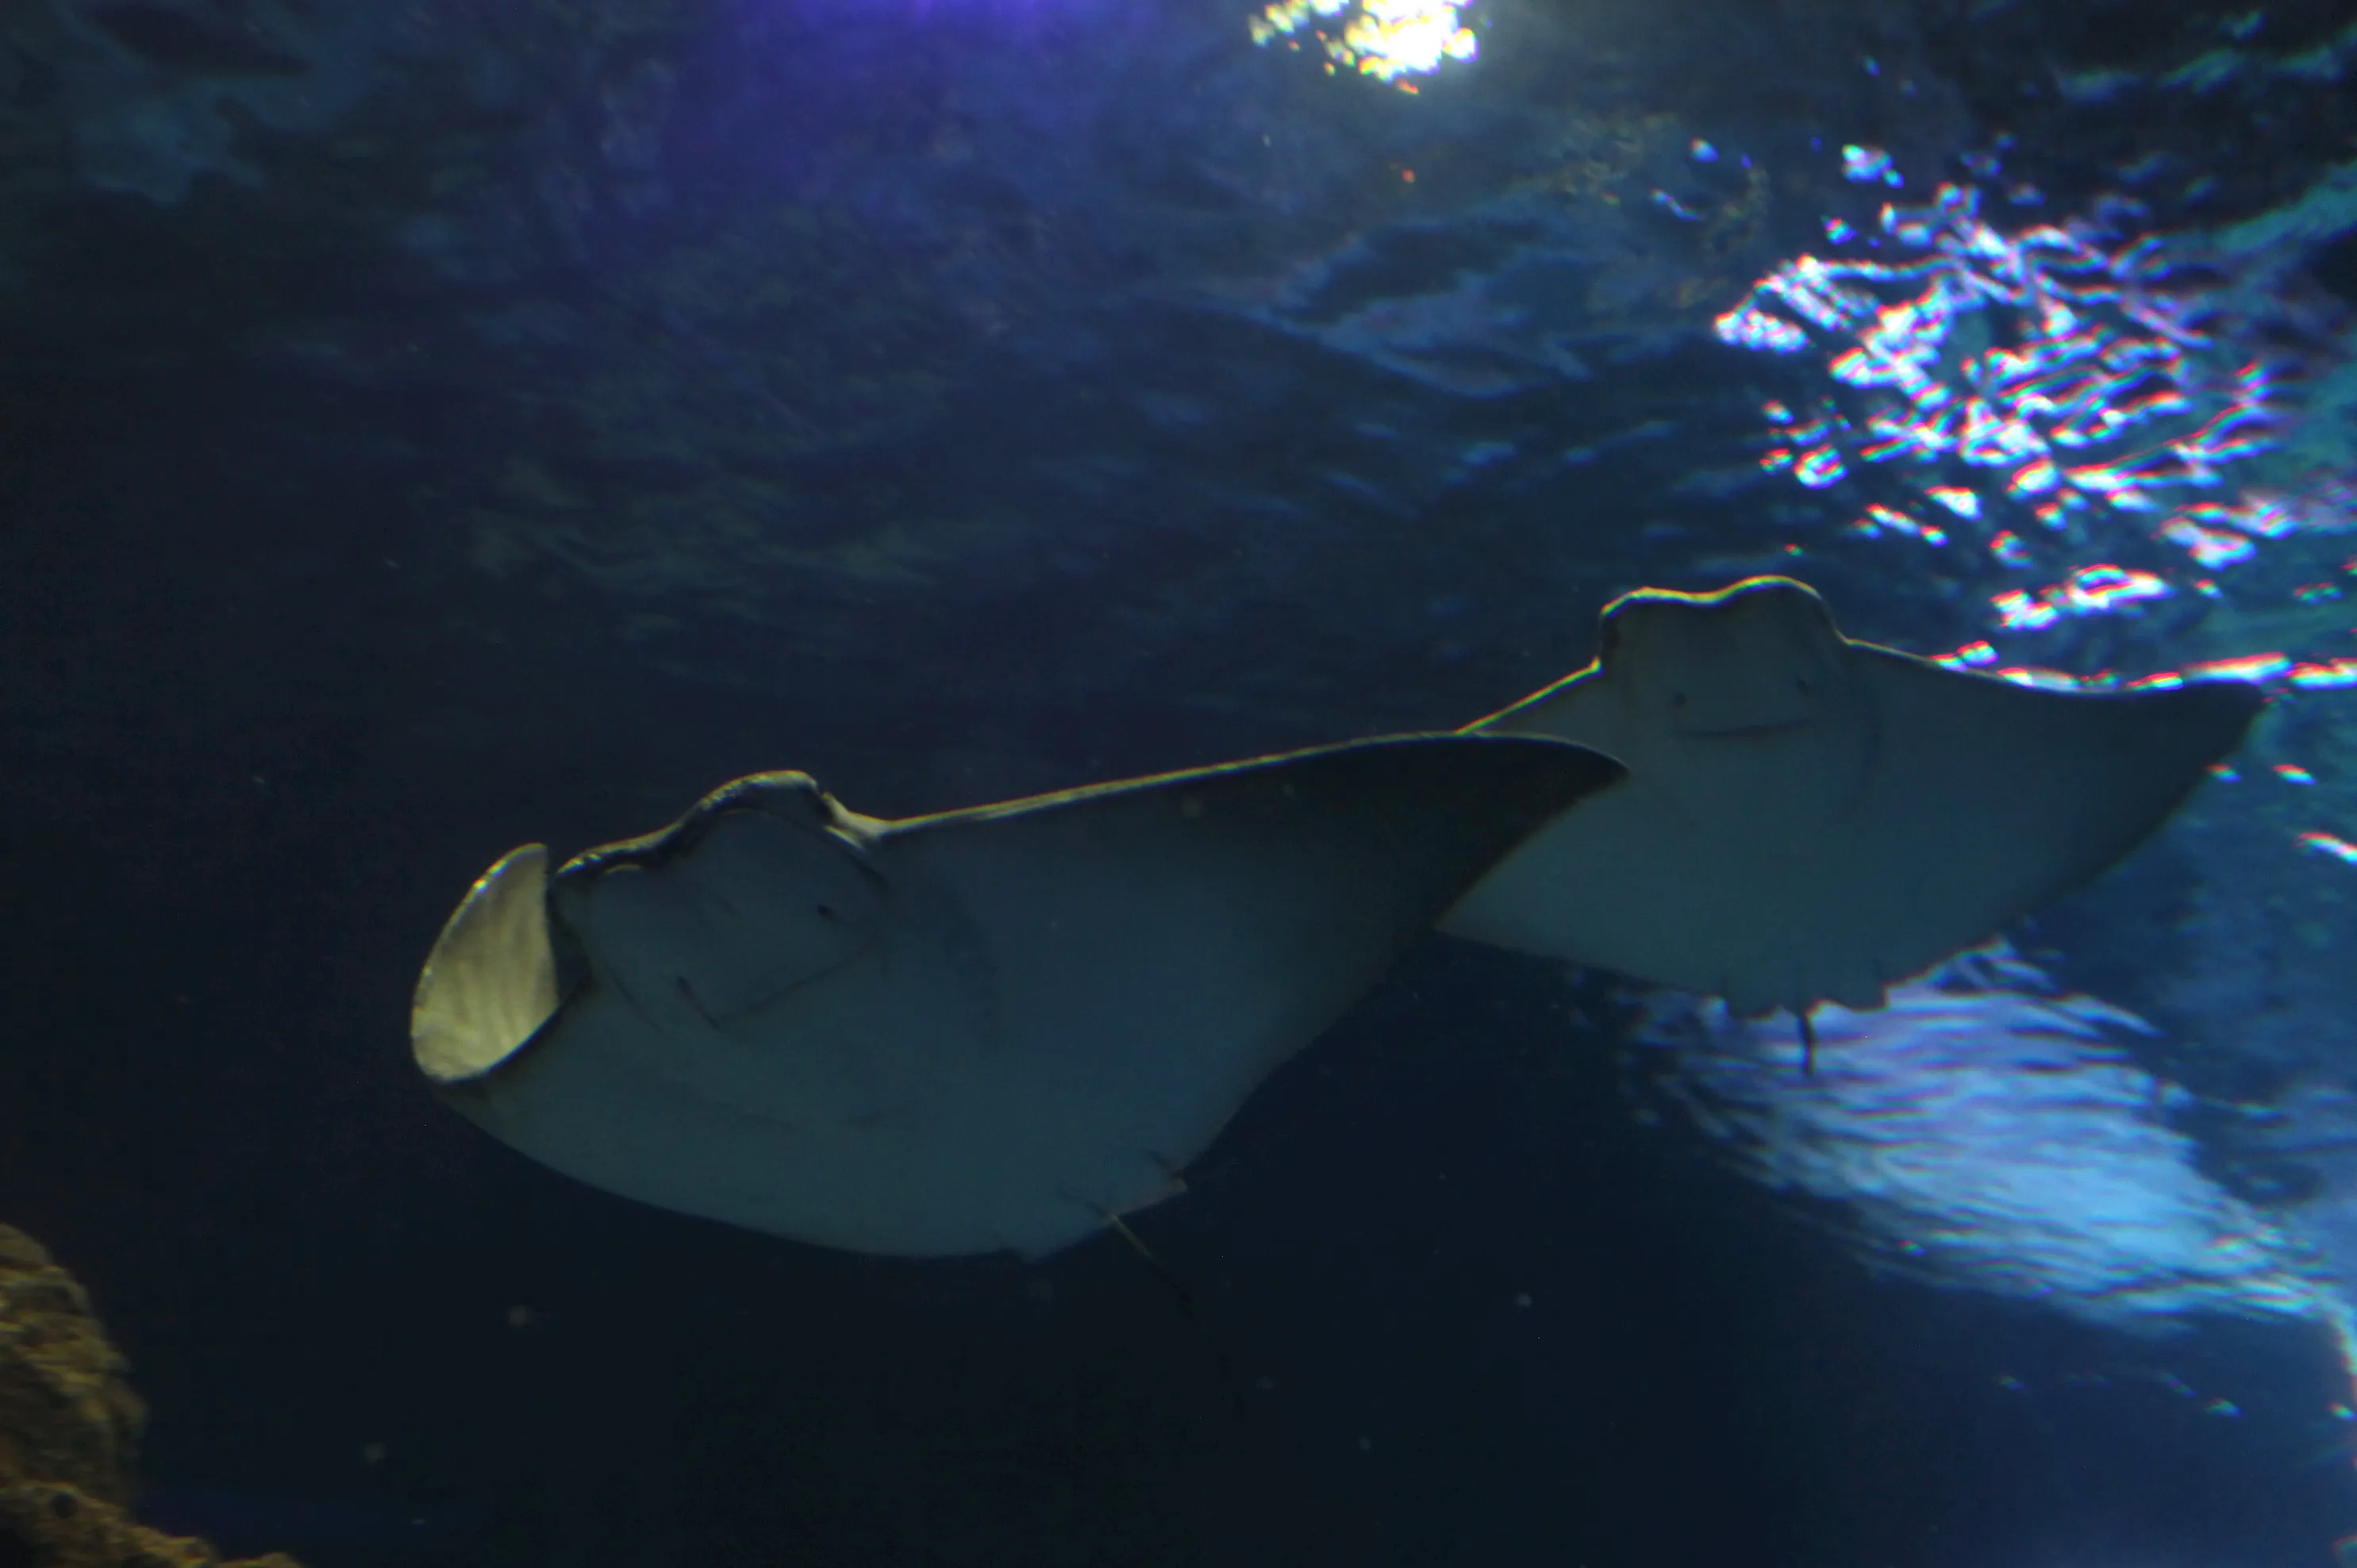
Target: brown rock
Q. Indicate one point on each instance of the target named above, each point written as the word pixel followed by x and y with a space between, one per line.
pixel 45 1525
pixel 66 1415
pixel 70 1431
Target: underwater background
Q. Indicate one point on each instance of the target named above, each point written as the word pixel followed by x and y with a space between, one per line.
pixel 429 428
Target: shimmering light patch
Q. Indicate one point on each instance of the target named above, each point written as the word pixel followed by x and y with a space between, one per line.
pixel 2249 667
pixel 2023 611
pixel 1985 1132
pixel 1387 39
pixel 1820 468
pixel 1749 327
pixel 1880 520
pixel 2332 672
pixel 1674 208
pixel 2091 590
pixel 2039 381
pixel 1703 152
pixel 2209 547
pixel 2095 590
pixel 1864 165
pixel 2040 680
pixel 2340 849
pixel 2292 773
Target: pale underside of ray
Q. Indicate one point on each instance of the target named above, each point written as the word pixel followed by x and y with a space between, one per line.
pixel 985 1030
pixel 1808 818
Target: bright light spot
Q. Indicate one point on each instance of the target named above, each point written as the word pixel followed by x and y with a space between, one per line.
pixel 1820 468
pixel 2249 667
pixel 2091 590
pixel 1880 520
pixel 1751 328
pixel 2209 547
pixel 2292 773
pixel 2340 849
pixel 1865 164
pixel 2022 611
pixel 2320 677
pixel 1703 152
pixel 1387 39
pixel 2094 590
pixel 2041 680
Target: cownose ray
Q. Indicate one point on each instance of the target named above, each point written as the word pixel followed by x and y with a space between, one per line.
pixel 991 1029
pixel 1807 818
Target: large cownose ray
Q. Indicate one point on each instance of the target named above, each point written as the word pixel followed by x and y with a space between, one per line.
pixel 989 1029
pixel 1808 818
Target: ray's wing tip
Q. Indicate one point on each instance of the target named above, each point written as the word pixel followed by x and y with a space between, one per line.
pixel 2220 712
pixel 490 982
pixel 1558 771
pixel 2238 699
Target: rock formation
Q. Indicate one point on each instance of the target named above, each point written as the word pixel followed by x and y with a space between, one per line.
pixel 69 1429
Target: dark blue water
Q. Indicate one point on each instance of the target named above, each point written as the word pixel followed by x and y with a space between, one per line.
pixel 426 431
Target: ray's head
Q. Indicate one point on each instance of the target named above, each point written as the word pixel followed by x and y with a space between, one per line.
pixel 1758 657
pixel 759 889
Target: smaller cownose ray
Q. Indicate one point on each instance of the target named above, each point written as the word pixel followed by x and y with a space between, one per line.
pixel 991 1029
pixel 1807 818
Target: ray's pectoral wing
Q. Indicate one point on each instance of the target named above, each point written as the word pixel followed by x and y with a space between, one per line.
pixel 1562 893
pixel 818 1099
pixel 1709 867
pixel 1160 947
pixel 981 1031
pixel 1807 818
pixel 1995 799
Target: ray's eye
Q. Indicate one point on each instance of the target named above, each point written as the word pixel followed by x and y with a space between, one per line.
pixel 1677 701
pixel 1802 682
pixel 827 912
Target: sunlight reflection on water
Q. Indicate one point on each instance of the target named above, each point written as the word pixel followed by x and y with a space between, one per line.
pixel 1388 39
